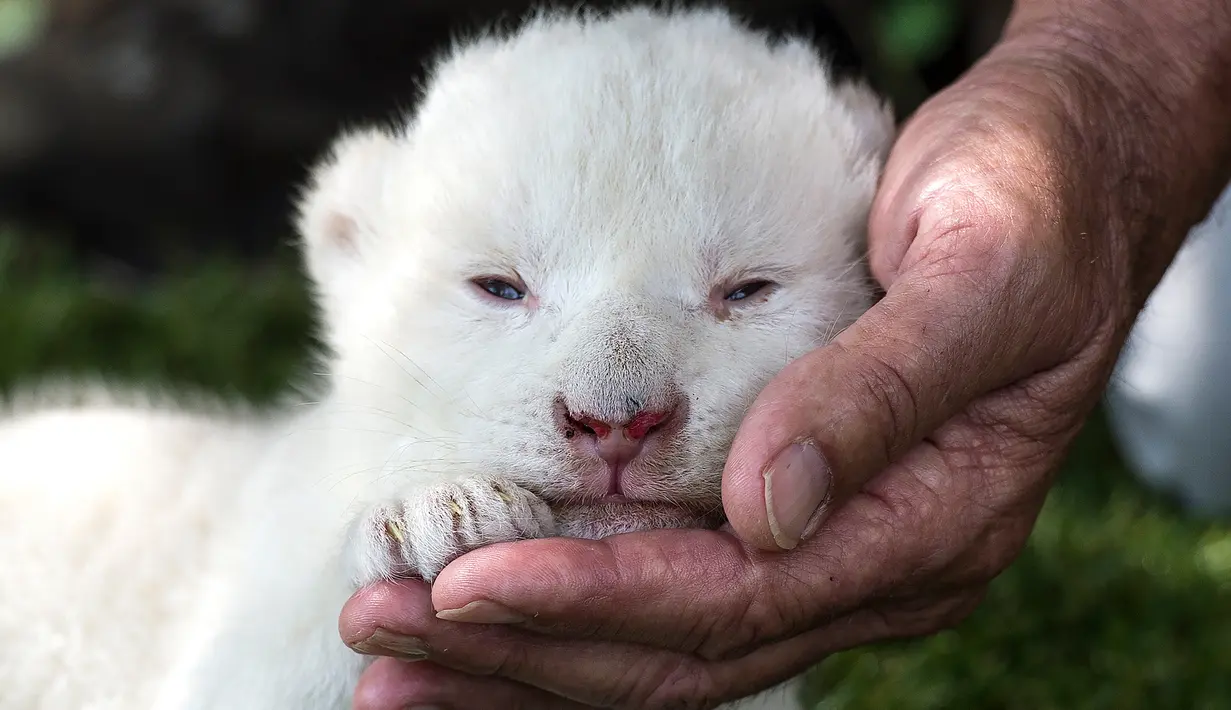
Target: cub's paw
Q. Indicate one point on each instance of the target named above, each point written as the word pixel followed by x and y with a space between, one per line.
pixel 420 534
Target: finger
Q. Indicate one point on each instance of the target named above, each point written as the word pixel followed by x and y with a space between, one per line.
pixel 704 592
pixel 626 676
pixel 572 587
pixel 397 620
pixel 569 588
pixel 595 673
pixel 390 684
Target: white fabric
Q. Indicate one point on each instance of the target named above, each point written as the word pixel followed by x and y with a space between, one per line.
pixel 1170 401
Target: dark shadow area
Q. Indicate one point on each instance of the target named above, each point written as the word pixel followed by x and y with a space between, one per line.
pixel 150 133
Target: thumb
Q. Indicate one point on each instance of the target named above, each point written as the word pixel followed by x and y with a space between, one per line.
pixel 836 417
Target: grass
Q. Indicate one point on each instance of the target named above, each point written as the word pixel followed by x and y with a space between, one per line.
pixel 1119 601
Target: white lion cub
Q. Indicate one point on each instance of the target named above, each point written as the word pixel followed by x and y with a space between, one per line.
pixel 549 298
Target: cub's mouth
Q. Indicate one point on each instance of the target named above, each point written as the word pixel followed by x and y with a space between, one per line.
pixel 613 516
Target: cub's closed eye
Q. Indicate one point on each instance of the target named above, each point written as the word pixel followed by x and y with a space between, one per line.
pixel 499 288
pixel 748 290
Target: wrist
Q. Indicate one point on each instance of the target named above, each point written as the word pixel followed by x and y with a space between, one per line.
pixel 1143 94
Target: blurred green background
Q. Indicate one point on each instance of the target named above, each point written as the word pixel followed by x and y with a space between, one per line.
pixel 1119 602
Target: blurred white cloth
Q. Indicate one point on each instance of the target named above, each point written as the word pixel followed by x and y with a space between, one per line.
pixel 1169 403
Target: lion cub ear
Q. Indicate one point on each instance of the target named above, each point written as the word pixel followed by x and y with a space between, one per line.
pixel 872 116
pixel 337 211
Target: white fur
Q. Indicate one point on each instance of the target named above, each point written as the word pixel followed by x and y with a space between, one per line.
pixel 630 170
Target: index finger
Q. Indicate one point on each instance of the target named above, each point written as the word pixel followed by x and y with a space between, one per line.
pixel 700 592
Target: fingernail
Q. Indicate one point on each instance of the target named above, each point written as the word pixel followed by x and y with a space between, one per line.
pixel 385 643
pixel 481 612
pixel 796 486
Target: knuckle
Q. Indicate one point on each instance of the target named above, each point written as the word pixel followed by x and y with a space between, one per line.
pixel 1000 547
pixel 950 612
pixel 883 387
pixel 714 635
pixel 754 624
pixel 727 634
pixel 784 605
pixel 684 685
pixel 532 701
pixel 980 234
pixel 502 661
pixel 964 605
pixel 370 697
pixel 931 615
pixel 372 692
pixel 903 508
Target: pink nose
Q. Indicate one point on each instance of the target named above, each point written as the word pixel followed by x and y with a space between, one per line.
pixel 634 429
pixel 616 442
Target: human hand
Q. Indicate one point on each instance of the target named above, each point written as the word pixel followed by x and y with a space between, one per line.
pixel 1016 235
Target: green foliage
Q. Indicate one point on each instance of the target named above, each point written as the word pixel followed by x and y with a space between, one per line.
pixel 912 32
pixel 20 23
pixel 1118 603
pixel 240 333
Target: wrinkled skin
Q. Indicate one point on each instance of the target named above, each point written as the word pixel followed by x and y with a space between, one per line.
pixel 1024 215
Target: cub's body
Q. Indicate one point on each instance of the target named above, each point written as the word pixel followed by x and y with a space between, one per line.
pixel 548 300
